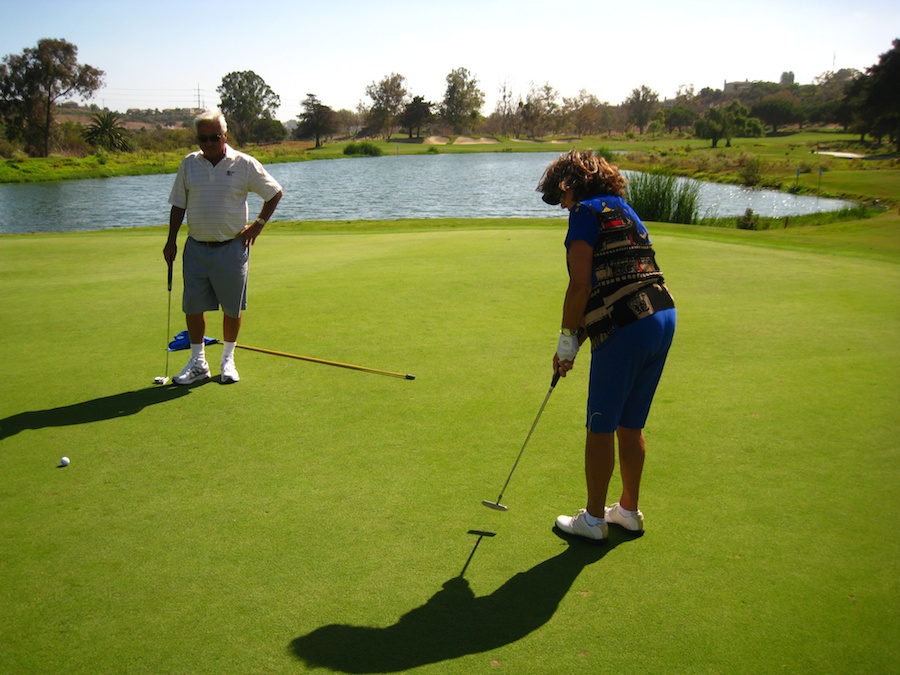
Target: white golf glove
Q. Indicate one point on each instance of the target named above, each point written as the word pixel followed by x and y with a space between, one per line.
pixel 567 349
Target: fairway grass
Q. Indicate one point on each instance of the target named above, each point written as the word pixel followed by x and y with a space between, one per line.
pixel 313 517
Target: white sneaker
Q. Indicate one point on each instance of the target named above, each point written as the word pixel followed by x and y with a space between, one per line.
pixel 195 371
pixel 577 525
pixel 633 523
pixel 229 372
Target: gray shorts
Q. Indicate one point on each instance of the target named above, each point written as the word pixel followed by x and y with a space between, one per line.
pixel 215 274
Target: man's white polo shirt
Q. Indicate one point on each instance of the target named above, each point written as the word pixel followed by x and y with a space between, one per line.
pixel 215 197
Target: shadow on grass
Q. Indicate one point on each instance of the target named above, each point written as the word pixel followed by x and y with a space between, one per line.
pixel 453 622
pixel 95 410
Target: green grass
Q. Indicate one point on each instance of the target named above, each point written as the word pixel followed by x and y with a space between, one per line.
pixel 317 512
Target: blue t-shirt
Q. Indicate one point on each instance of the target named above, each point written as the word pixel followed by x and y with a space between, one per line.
pixel 584 226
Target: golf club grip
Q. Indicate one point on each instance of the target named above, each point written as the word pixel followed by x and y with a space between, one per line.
pixel 555 379
pixel 170 275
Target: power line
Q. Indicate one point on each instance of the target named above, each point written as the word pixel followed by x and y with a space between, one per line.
pixel 147 98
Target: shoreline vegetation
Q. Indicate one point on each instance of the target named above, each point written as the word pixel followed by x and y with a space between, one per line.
pixel 812 162
pixel 823 162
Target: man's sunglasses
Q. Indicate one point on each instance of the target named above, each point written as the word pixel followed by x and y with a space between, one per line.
pixel 213 138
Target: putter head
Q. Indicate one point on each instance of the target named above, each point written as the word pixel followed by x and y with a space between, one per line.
pixel 497 506
pixel 160 380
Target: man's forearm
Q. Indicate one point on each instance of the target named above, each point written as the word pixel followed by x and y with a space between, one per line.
pixel 268 208
pixel 176 217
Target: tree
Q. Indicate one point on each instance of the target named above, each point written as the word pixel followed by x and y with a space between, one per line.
pixel 640 106
pixel 388 97
pixel 317 120
pixel 553 112
pixel 531 112
pixel 32 82
pixel 726 122
pixel 462 102
pixel 350 121
pixel 711 125
pixel 586 115
pixel 827 106
pixel 416 114
pixel 268 130
pixel 106 131
pixel 505 110
pixel 245 99
pixel 541 114
pixel 776 110
pixel 678 117
pixel 882 98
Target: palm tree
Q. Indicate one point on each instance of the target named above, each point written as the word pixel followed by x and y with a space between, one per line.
pixel 106 131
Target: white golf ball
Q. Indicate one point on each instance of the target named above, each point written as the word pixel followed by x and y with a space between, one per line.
pixel 64 461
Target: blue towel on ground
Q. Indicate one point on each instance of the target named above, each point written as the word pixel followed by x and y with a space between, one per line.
pixel 182 341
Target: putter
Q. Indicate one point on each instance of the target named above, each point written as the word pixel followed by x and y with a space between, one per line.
pixel 496 505
pixel 165 379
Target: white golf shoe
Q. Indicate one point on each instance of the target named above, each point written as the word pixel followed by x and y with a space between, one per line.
pixel 229 372
pixel 196 370
pixel 634 523
pixel 577 525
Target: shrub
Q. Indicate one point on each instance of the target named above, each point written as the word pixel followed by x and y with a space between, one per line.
pixel 748 221
pixel 7 149
pixel 363 148
pixel 751 172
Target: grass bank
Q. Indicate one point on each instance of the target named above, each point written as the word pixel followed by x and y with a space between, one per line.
pixel 314 517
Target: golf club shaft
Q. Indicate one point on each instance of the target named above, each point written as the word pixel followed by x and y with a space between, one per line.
pixel 169 320
pixel 528 437
pixel 405 376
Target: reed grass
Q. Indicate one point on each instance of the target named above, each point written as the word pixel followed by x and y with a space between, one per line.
pixel 664 197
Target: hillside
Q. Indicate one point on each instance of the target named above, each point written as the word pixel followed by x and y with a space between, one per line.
pixel 134 119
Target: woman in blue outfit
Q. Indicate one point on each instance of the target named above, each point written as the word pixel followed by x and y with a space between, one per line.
pixel 616 299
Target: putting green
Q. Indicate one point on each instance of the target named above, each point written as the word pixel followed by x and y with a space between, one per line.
pixel 313 516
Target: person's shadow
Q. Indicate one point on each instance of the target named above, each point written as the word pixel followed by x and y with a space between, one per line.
pixel 453 622
pixel 95 410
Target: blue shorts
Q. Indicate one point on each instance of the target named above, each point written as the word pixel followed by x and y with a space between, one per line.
pixel 215 274
pixel 625 371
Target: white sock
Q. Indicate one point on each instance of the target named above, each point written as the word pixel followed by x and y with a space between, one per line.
pixel 228 350
pixel 591 520
pixel 198 351
pixel 626 512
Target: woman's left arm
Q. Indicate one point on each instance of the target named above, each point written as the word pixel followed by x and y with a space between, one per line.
pixel 580 262
pixel 581 273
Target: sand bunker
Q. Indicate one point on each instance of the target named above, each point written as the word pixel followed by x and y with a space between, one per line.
pixel 843 155
pixel 460 140
pixel 465 140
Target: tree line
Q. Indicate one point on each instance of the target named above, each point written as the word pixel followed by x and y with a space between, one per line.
pixel 35 83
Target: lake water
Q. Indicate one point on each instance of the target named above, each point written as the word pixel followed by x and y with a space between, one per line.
pixel 477 185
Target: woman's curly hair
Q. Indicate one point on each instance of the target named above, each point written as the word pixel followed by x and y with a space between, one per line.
pixel 585 173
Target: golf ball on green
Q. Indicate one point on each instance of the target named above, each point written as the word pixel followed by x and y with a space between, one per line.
pixel 64 461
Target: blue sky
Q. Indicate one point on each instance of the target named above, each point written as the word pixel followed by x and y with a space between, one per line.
pixel 168 54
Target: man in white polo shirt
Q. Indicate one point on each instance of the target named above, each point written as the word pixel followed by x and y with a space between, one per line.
pixel 211 188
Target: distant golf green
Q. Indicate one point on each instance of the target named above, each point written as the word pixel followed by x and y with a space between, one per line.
pixel 313 517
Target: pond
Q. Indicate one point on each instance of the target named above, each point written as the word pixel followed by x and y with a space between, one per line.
pixel 476 185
